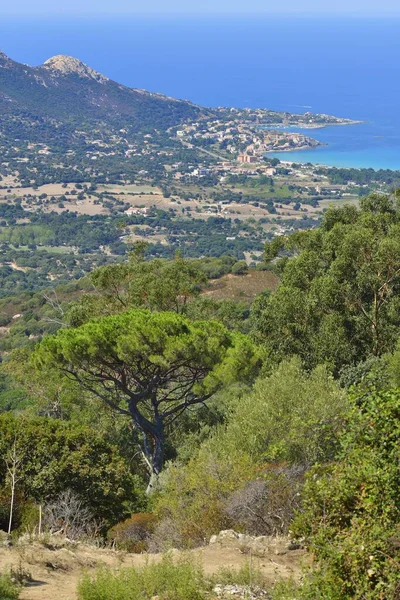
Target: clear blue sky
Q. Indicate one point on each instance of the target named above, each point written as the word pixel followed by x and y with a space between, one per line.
pixel 116 7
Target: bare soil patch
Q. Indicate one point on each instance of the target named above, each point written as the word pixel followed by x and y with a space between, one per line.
pixel 56 572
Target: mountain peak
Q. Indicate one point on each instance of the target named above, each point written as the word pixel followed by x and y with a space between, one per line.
pixel 4 58
pixel 67 65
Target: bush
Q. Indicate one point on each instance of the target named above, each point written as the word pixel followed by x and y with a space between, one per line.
pixel 183 580
pixel 266 506
pixel 5 502
pixel 4 320
pixel 57 455
pixel 166 580
pixel 29 519
pixel 351 510
pixel 8 590
pixel 193 497
pixel 166 536
pixel 286 590
pixel 263 266
pixel 133 534
pixel 374 371
pixel 240 268
pixel 247 576
pixel 69 515
pixel 291 418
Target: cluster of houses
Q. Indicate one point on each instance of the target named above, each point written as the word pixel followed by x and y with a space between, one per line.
pixel 221 170
pixel 246 139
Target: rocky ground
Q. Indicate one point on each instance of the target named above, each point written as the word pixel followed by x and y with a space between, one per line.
pixel 55 566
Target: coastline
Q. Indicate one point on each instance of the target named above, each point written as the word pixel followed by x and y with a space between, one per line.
pixel 298 148
pixel 311 125
pixel 290 162
pixel 325 125
pixel 314 144
pixel 317 144
pixel 325 166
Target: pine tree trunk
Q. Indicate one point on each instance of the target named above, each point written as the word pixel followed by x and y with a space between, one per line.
pixel 156 458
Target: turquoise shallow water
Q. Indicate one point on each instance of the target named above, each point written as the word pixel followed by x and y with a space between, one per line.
pixel 347 67
pixel 371 144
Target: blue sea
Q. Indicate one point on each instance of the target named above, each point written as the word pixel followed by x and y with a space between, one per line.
pixel 346 67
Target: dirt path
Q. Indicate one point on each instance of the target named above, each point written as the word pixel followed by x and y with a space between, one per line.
pixel 56 573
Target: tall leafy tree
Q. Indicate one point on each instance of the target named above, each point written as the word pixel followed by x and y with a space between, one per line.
pixel 162 285
pixel 151 367
pixel 339 296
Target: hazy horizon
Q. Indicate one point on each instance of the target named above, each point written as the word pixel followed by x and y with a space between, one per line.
pixel 159 16
pixel 153 8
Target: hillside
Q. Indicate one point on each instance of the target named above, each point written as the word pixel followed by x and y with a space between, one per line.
pixel 64 91
pixel 158 410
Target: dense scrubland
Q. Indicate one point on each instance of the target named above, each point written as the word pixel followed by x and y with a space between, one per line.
pixel 153 415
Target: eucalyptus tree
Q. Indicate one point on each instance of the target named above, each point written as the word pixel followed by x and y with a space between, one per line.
pixel 339 296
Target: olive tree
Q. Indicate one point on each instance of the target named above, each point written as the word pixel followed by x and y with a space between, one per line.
pixel 43 457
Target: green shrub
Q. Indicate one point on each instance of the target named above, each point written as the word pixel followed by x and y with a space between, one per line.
pixel 240 268
pixel 292 415
pixel 351 510
pixel 4 320
pixel 8 590
pixel 167 580
pixel 29 518
pixel 181 580
pixel 133 534
pixel 285 590
pixel 290 418
pixel 5 501
pixel 194 496
pixel 57 455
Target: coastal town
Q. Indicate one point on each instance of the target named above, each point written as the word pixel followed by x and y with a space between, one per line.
pixel 202 181
pixel 244 140
pixel 250 133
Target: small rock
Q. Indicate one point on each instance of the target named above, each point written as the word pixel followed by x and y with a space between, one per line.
pixel 213 539
pixel 294 546
pixel 228 535
pixel 240 592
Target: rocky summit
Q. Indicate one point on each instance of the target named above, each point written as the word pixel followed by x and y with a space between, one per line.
pixel 67 65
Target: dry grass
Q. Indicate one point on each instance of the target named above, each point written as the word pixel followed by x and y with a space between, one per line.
pixel 242 287
pixel 148 196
